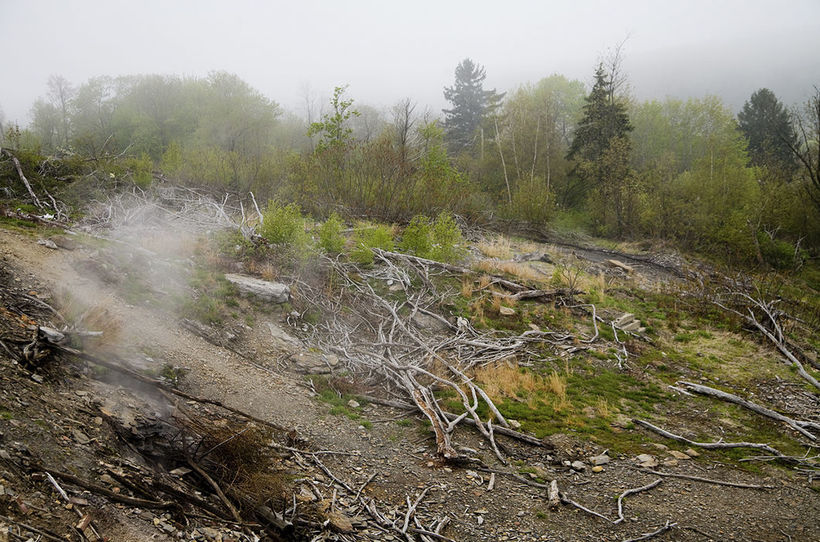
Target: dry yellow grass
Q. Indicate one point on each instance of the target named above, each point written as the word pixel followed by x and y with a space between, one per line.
pixel 98 316
pixel 466 288
pixel 518 270
pixel 484 281
pixel 495 304
pixel 602 408
pixel 557 385
pixel 508 380
pixel 497 247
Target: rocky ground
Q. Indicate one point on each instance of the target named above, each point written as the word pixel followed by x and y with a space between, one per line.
pixel 102 427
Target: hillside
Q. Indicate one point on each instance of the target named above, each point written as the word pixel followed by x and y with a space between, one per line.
pixel 497 388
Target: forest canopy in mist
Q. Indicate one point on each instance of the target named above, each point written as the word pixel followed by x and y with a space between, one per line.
pixel 581 148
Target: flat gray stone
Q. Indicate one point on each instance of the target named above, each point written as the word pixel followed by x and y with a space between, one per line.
pixel 274 292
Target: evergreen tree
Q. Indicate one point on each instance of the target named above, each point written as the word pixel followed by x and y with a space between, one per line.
pixel 471 103
pixel 767 126
pixel 601 148
pixel 604 118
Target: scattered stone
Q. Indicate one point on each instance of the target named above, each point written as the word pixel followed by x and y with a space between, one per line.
pixel 64 242
pixel 670 463
pixel 597 468
pixel 632 326
pixel 48 243
pixel 620 265
pixel 310 363
pixel 180 471
pixel 340 522
pixel 515 424
pixel 506 311
pixel 646 460
pixel 269 291
pixel 580 466
pixel 691 453
pixel 660 446
pixel 281 335
pixel 621 420
pixel 625 319
pixel 37 378
pixel 80 437
pixel 679 455
pixel 602 459
pixel 353 403
pixel 427 322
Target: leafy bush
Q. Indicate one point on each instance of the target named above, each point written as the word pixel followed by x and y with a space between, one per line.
pixel 330 235
pixel 779 254
pixel 417 237
pixel 285 225
pixel 380 236
pixel 439 240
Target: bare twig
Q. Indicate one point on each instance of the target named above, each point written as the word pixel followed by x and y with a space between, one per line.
pixel 705 480
pixel 628 492
pixel 647 536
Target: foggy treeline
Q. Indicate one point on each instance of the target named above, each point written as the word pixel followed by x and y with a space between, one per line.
pixel 554 153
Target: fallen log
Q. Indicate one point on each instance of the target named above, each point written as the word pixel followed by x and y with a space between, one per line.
pixel 711 445
pixel 798 426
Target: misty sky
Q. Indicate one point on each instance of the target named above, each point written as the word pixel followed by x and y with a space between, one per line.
pixel 386 50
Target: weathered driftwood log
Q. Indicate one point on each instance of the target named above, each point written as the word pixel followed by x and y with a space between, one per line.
pixel 268 291
pixel 797 425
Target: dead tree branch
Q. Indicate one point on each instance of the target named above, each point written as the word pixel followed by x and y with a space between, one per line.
pixel 799 426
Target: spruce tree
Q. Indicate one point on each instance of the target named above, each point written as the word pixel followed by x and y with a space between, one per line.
pixel 601 149
pixel 767 126
pixel 471 103
pixel 604 118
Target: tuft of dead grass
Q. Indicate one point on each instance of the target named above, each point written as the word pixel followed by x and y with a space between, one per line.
pixel 497 247
pixel 98 316
pixel 602 408
pixel 508 380
pixel 466 288
pixel 515 269
pixel 557 385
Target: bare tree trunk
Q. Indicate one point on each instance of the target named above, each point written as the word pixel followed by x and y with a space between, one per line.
pixel 503 164
pixel 535 150
pixel 19 169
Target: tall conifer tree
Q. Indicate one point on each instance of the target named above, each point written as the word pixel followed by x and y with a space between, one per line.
pixel 471 103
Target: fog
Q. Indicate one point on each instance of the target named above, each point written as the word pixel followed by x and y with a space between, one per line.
pixel 387 51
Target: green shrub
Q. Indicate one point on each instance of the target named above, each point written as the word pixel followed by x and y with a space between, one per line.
pixel 779 254
pixel 285 225
pixel 380 236
pixel 439 240
pixel 448 244
pixel 417 237
pixel 330 235
pixel 141 169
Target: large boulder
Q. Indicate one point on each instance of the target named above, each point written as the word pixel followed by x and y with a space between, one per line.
pixel 274 292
